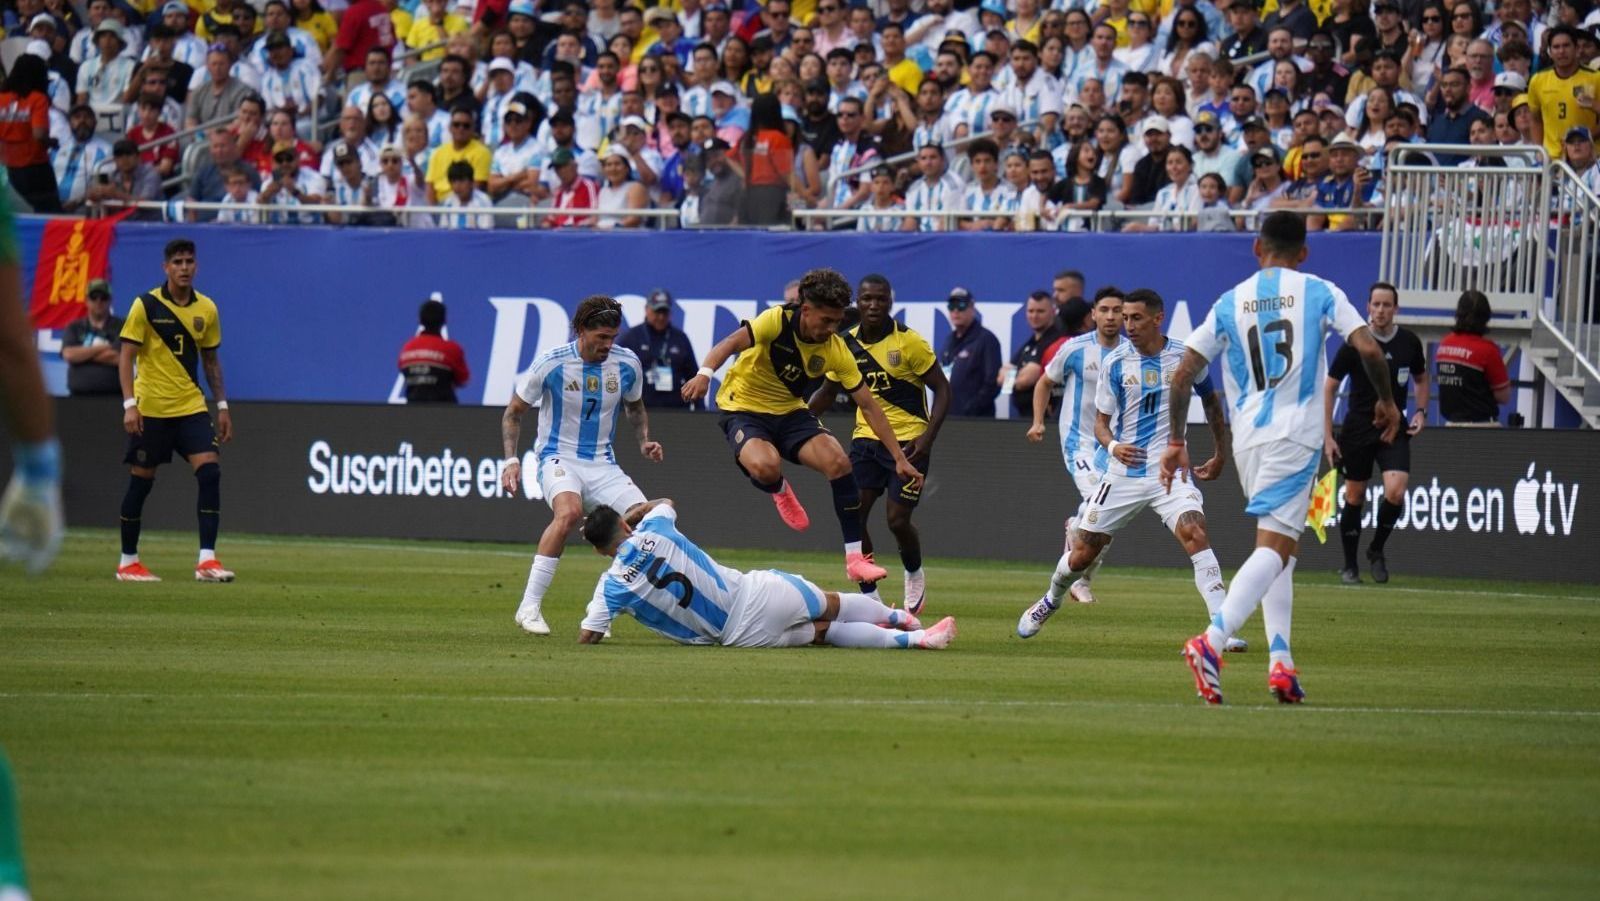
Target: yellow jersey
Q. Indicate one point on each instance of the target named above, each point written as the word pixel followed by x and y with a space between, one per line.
pixel 170 337
pixel 424 31
pixel 894 367
pixel 476 152
pixel 1555 100
pixel 772 375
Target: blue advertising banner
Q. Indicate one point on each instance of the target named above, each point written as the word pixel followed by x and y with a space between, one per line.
pixel 319 314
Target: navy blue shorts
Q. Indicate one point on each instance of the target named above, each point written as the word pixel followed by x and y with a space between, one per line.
pixel 874 471
pixel 788 433
pixel 188 435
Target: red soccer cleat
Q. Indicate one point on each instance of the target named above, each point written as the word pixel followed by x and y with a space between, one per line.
pixel 1205 665
pixel 135 572
pixel 1284 683
pixel 794 515
pixel 860 568
pixel 212 571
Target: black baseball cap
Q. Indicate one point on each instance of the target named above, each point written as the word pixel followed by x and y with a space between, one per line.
pixel 960 299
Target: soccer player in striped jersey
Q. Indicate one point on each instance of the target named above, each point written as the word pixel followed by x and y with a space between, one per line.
pixel 765 417
pixel 1270 331
pixel 900 369
pixel 579 388
pixel 672 587
pixel 1131 403
pixel 1076 367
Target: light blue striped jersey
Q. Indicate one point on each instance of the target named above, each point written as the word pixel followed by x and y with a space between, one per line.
pixel 1077 367
pixel 1271 333
pixel 579 402
pixel 667 583
pixel 1135 392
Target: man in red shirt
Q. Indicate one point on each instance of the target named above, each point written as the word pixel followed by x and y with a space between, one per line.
pixel 366 25
pixel 1472 378
pixel 574 193
pixel 433 365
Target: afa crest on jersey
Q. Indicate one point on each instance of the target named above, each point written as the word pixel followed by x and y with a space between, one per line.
pixel 611 383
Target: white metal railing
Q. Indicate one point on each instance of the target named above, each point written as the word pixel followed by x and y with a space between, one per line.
pixel 1447 229
pixel 1244 218
pixel 267 213
pixel 1575 254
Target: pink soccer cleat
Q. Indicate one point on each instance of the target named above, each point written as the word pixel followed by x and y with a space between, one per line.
pixel 859 567
pixel 1206 666
pixel 135 572
pixel 794 515
pixel 939 636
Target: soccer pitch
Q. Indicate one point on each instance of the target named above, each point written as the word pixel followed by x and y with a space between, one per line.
pixel 362 720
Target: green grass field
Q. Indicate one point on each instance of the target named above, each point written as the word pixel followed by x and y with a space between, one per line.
pixel 362 720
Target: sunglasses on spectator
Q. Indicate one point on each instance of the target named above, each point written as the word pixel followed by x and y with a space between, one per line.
pixel 1262 164
pixel 956 305
pixel 1139 23
pixel 1462 17
pixel 827 9
pixel 1202 129
pixel 1002 117
pixel 99 295
pixel 1311 156
pixel 1427 19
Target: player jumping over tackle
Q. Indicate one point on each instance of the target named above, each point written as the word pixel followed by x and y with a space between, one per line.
pixel 766 420
pixel 1130 424
pixel 900 367
pixel 579 388
pixel 672 587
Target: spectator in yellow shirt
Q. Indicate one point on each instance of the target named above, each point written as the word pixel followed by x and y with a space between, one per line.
pixel 309 15
pixel 463 146
pixel 433 27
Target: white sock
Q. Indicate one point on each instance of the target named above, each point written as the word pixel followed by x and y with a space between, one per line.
pixel 852 547
pixel 861 608
pixel 207 555
pixel 867 635
pixel 1062 579
pixel 539 577
pixel 1277 610
pixel 1208 578
pixel 1250 583
pixel 128 560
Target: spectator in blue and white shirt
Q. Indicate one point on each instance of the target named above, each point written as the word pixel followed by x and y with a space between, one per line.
pixel 288 82
pixel 518 161
pixel 936 191
pixel 968 108
pixel 379 70
pixel 76 162
pixel 990 201
pixel 854 150
pixel 276 19
pixel 883 200
pixel 464 195
pixel 103 78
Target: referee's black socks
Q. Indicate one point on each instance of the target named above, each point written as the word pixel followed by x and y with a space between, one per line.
pixel 132 508
pixel 1388 515
pixel 1350 532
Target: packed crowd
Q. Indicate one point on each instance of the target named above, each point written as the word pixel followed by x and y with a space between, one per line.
pixel 899 114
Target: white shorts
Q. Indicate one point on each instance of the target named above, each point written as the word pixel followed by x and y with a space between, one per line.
pixel 1086 477
pixel 597 483
pixel 768 607
pixel 1119 499
pixel 1277 478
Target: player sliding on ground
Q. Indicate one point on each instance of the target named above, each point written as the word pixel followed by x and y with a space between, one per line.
pixel 1077 367
pixel 765 417
pixel 1130 425
pixel 579 388
pixel 1271 332
pixel 900 368
pixel 672 587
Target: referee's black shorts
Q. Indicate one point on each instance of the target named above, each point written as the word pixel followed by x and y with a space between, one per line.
pixel 188 435
pixel 1359 451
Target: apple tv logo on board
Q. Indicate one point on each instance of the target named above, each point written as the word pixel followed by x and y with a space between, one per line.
pixel 1543 506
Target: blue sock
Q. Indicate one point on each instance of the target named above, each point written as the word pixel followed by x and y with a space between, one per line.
pixel 132 509
pixel 847 504
pixel 209 507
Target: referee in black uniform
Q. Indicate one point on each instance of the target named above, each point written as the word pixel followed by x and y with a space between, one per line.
pixel 1358 446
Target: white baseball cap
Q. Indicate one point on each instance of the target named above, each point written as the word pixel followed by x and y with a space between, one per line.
pixel 502 64
pixel 635 122
pixel 1512 80
pixel 1157 123
pixel 726 88
pixel 42 19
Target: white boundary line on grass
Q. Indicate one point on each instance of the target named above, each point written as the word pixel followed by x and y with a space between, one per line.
pixel 776 702
pixel 1041 571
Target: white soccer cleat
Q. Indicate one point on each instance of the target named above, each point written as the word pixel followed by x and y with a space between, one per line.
pixel 212 571
pixel 1034 617
pixel 532 622
pixel 1236 646
pixel 1081 592
pixel 939 636
pixel 916 591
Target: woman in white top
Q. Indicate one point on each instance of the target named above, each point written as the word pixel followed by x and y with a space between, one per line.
pixel 617 192
pixel 1166 98
pixel 1425 52
pixel 1182 195
pixel 1118 158
pixel 1370 134
pixel 1142 53
pixel 1188 35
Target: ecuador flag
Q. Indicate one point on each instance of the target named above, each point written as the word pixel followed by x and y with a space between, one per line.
pixel 1322 504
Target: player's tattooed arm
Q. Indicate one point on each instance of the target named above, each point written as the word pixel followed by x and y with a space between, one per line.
pixel 511 426
pixel 213 366
pixel 1221 437
pixel 1385 415
pixel 640 419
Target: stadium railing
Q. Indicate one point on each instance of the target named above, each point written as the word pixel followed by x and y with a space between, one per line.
pixel 1566 340
pixel 505 217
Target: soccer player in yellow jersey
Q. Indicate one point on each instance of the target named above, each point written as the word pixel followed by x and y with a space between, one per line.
pixel 170 333
pixel 764 412
pixel 1562 97
pixel 899 367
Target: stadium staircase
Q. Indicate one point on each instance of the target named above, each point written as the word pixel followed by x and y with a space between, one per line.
pixel 1514 225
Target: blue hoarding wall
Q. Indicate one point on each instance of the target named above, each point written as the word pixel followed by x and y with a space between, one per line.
pixel 319 314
